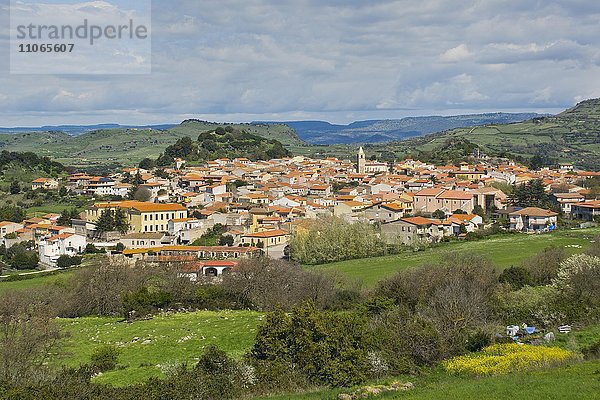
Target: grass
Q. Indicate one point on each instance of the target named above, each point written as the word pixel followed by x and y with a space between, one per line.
pixel 577 381
pixel 503 250
pixel 36 281
pixel 174 338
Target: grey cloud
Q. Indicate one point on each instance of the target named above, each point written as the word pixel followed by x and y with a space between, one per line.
pixel 346 59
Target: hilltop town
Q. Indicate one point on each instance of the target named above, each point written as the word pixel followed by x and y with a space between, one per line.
pixel 230 209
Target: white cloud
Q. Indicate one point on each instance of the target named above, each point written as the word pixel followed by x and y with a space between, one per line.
pixel 456 54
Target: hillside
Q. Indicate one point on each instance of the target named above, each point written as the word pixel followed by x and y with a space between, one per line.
pixel 127 146
pixel 373 131
pixel 571 136
pixel 221 142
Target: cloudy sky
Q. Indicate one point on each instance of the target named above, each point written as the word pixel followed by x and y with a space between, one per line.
pixel 328 59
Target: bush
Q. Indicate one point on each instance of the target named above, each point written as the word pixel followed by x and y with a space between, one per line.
pixel 456 296
pixel 219 374
pixel 406 342
pixel 508 358
pixel 105 358
pixel 532 305
pixel 578 280
pixel 324 348
pixel 544 266
pixel 145 301
pixel 65 261
pixel 478 340
pixel 517 277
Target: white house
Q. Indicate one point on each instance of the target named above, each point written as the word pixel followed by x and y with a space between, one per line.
pixel 68 244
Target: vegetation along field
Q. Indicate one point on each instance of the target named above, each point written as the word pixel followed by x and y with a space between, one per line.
pixel 503 250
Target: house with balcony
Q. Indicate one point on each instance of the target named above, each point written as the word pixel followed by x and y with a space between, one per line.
pixel 533 219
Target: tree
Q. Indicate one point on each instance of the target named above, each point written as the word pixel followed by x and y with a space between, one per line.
pixel 578 279
pixel 120 247
pixel 210 145
pixel 11 213
pixel 120 221
pixel 147 164
pixel 63 191
pixel 530 194
pixel 142 194
pixel 330 239
pixel 22 256
pixel 106 221
pixel 479 210
pixel 14 188
pixel 67 216
pixel 439 214
pixel 226 240
pixel 516 277
pixel 544 266
pixel 456 296
pixel 66 261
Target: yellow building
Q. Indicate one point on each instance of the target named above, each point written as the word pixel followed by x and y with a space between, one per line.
pixel 266 239
pixel 141 216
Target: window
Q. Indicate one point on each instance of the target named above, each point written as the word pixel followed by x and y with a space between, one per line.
pixel 150 217
pixel 145 217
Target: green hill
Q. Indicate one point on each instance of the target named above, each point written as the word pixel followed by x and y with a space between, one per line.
pixel 127 146
pixel 571 136
pixel 218 143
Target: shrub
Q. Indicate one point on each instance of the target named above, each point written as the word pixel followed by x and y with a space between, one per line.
pixel 508 358
pixel 533 305
pixel 578 280
pixel 478 340
pixel 517 277
pixel 406 342
pixel 145 301
pixel 325 348
pixel 105 358
pixel 219 374
pixel 65 261
pixel 544 266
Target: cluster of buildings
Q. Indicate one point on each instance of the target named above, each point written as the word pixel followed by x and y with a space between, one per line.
pixel 260 203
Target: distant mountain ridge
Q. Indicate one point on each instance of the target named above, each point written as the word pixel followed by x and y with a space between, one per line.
pixel 375 131
pixel 570 136
pixel 76 130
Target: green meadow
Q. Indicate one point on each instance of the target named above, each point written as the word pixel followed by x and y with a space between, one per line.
pixel 577 382
pixel 148 347
pixel 504 251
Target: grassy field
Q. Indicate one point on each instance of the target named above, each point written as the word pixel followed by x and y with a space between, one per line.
pixel 37 281
pixel 146 345
pixel 503 250
pixel 579 381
